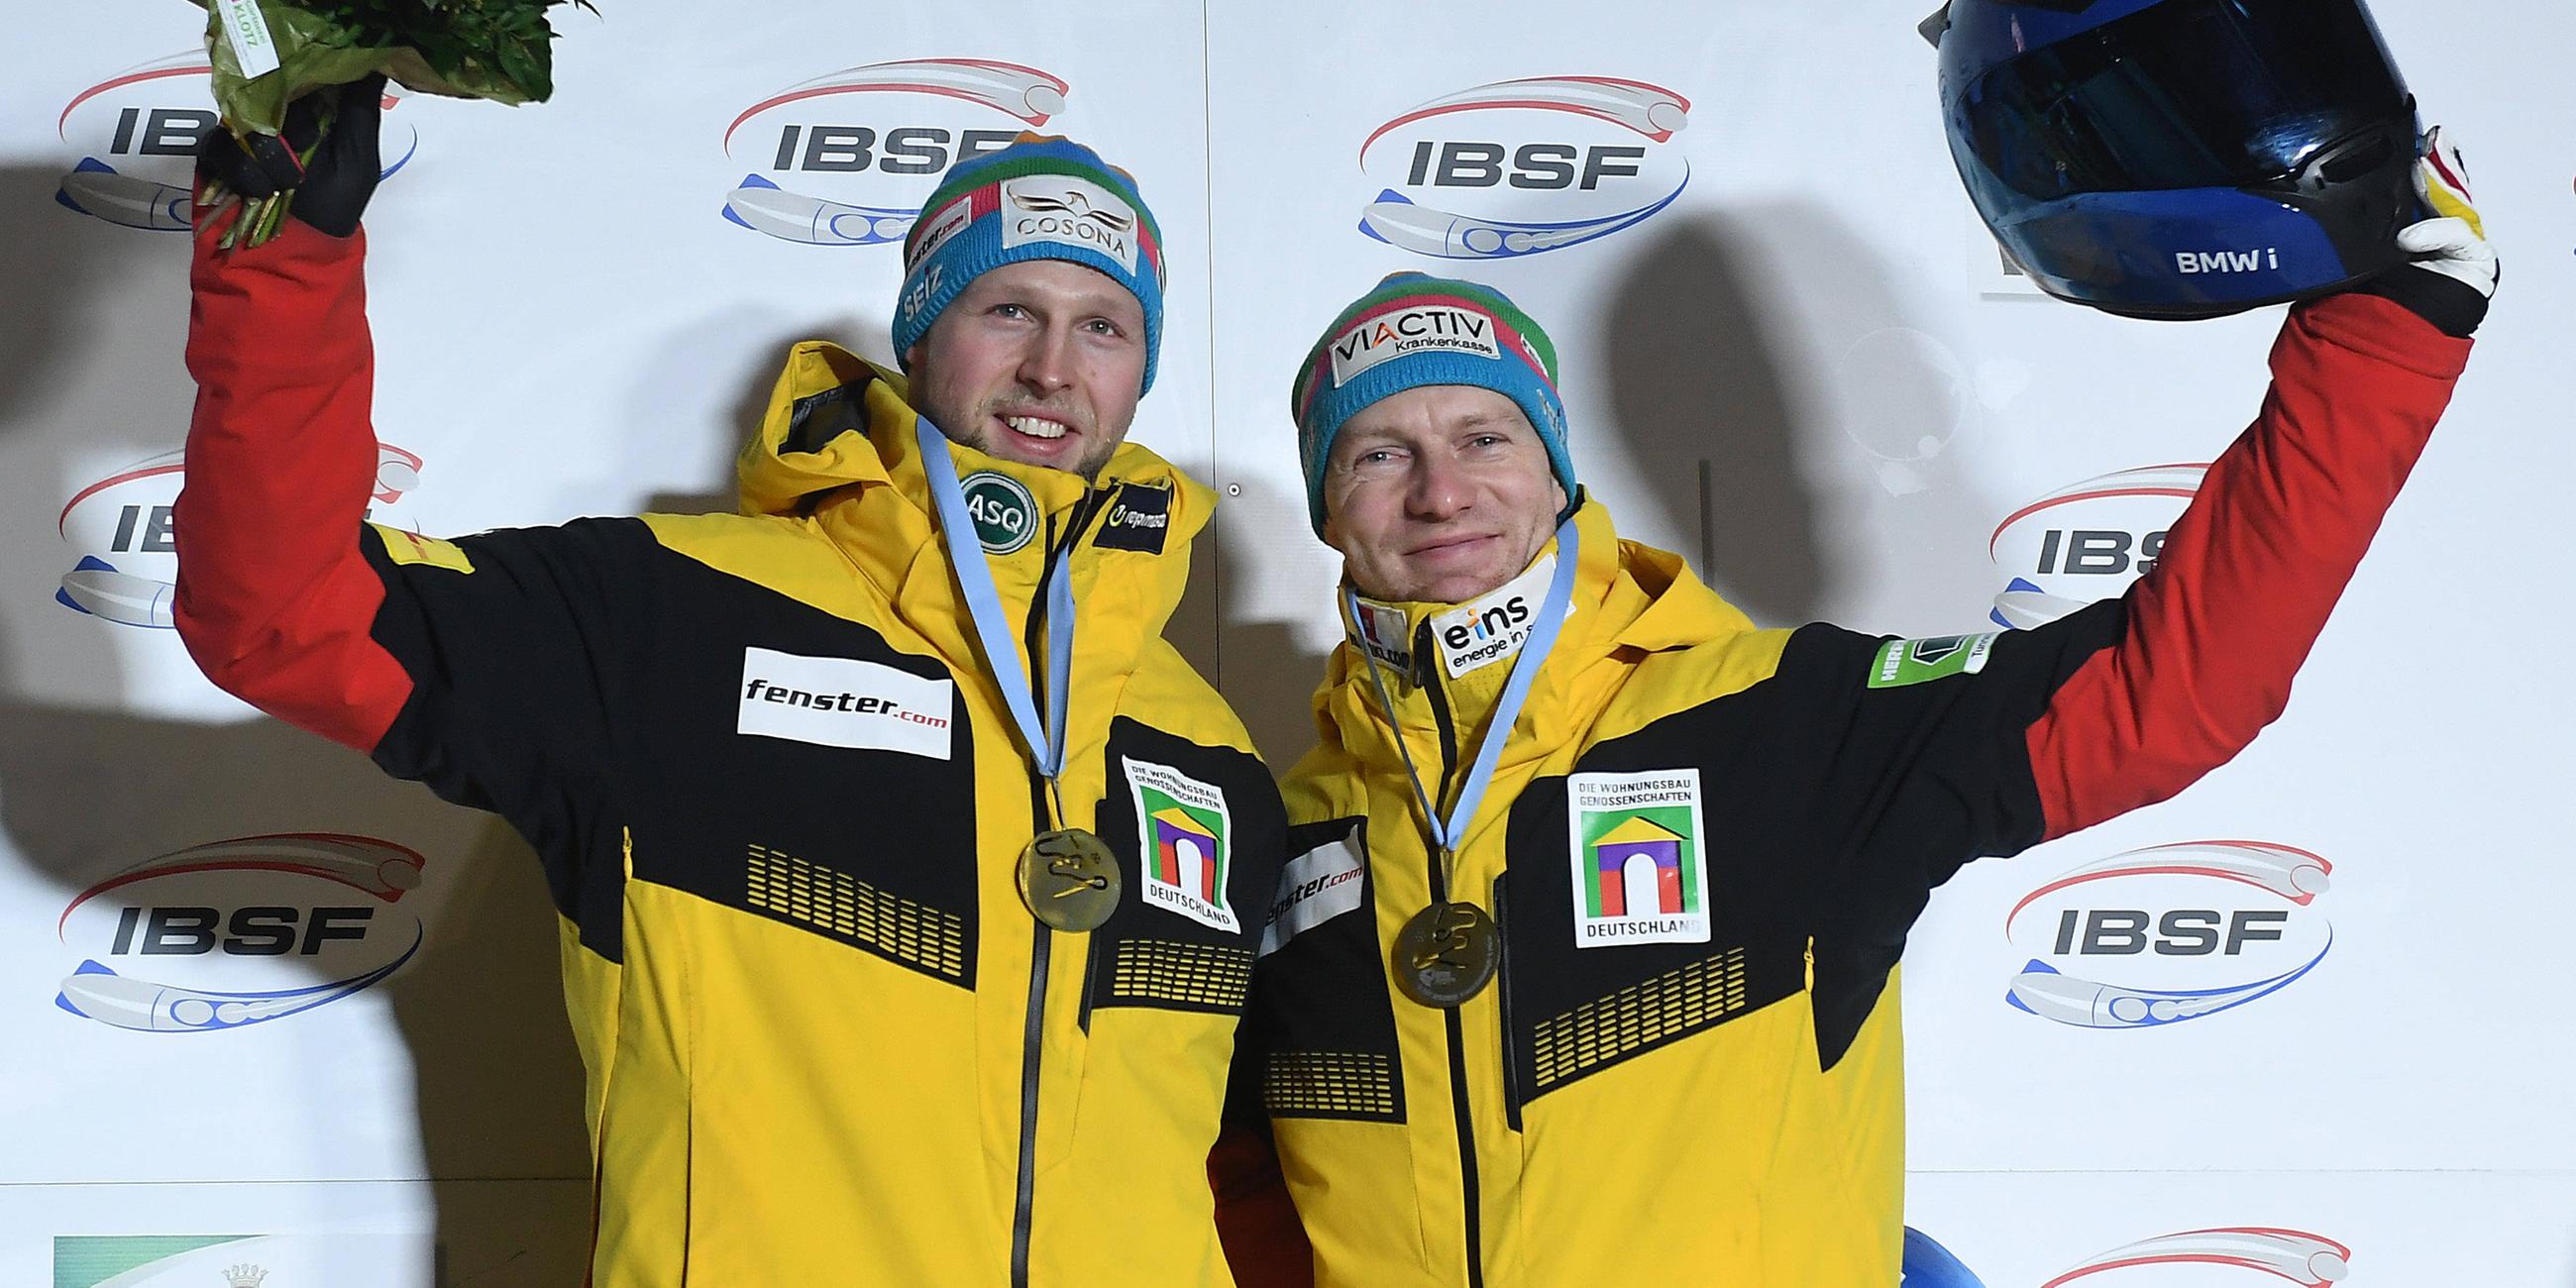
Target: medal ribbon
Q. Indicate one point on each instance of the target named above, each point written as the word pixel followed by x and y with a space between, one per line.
pixel 1450 831
pixel 1045 741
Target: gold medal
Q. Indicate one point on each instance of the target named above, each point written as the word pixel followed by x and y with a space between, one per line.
pixel 1447 953
pixel 1069 879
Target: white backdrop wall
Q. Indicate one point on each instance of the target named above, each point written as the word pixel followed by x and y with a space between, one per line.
pixel 1788 351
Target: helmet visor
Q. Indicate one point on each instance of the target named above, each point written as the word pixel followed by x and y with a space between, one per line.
pixel 2185 94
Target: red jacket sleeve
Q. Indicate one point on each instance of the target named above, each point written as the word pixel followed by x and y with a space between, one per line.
pixel 1265 1243
pixel 2248 576
pixel 275 599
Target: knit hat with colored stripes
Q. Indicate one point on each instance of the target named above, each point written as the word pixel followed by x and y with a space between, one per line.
pixel 1039 198
pixel 1415 329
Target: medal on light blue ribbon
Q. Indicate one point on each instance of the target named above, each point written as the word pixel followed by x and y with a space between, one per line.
pixel 1067 875
pixel 1449 951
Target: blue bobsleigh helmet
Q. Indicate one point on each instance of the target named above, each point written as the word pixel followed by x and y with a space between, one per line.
pixel 2180 158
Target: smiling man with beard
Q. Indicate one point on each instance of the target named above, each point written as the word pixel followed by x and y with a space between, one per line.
pixel 1584 968
pixel 884 826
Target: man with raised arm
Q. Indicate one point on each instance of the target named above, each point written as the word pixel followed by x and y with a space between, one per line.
pixel 1584 966
pixel 885 828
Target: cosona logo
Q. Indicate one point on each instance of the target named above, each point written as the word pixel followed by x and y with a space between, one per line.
pixel 137 135
pixel 1523 166
pixel 2169 933
pixel 2195 1257
pixel 121 528
pixel 2086 541
pixel 855 153
pixel 239 932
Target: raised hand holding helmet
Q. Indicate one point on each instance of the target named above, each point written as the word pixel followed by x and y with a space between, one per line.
pixel 2454 271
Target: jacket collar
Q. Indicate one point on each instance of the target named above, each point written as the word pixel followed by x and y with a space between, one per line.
pixel 1446 664
pixel 837 450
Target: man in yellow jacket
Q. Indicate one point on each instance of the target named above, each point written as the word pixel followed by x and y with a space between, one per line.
pixel 1584 966
pixel 909 880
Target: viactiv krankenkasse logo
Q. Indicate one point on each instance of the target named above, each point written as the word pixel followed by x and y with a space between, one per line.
pixel 2086 541
pixel 2169 933
pixel 1518 167
pixel 2191 1258
pixel 239 932
pixel 122 534
pixel 136 132
pixel 847 158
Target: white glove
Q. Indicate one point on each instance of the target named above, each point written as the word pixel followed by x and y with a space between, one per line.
pixel 2454 270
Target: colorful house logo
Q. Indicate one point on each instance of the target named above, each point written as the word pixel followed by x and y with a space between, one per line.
pixel 1637 840
pixel 1640 876
pixel 1183 839
pixel 1185 854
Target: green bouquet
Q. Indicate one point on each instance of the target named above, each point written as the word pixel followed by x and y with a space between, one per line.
pixel 495 49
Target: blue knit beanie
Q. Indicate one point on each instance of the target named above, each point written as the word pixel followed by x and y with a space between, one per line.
pixel 1414 329
pixel 1039 198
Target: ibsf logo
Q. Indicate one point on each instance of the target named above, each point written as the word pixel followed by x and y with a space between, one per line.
pixel 137 135
pixel 855 153
pixel 122 528
pixel 2193 1257
pixel 2171 933
pixel 239 932
pixel 1524 166
pixel 2086 541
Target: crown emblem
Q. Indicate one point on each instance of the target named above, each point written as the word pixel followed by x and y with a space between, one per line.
pixel 245 1276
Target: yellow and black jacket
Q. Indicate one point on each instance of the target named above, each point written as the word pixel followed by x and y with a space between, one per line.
pixel 1705 845
pixel 780 802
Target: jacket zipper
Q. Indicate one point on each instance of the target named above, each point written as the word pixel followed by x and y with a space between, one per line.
pixel 1503 998
pixel 1042 938
pixel 1472 1215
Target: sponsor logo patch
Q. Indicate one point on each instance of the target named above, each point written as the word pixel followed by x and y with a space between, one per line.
pixel 1640 876
pixel 1070 212
pixel 951 219
pixel 1424 328
pixel 843 702
pixel 1380 630
pixel 1005 515
pixel 1476 635
pixel 1185 840
pixel 1317 886
pixel 1139 517
pixel 1903 662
